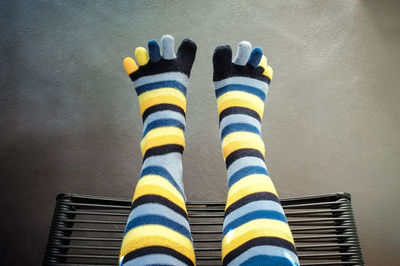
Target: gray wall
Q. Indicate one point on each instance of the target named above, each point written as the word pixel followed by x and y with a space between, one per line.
pixel 70 120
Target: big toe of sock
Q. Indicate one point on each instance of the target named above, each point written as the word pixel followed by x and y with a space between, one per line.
pixel 222 61
pixel 186 54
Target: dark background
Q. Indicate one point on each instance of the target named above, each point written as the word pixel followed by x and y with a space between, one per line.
pixel 70 119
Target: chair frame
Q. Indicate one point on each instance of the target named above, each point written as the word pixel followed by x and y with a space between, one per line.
pixel 88 230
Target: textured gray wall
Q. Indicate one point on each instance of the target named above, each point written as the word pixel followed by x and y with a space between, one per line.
pixel 70 120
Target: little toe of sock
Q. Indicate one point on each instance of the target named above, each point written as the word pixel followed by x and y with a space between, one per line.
pixel 263 62
pixel 130 65
pixel 243 53
pixel 269 72
pixel 167 42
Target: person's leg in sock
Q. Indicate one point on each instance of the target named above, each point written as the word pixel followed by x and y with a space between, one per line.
pixel 157 231
pixel 255 229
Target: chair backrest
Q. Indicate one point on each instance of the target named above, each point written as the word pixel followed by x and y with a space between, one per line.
pixel 87 230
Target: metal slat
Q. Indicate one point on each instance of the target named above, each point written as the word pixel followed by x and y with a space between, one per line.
pixel 89 238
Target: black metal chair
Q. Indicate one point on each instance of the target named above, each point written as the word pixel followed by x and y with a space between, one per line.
pixel 87 230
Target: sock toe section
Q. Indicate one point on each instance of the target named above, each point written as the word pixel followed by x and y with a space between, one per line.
pixel 142 56
pixel 130 65
pixel 154 51
pixel 167 42
pixel 222 60
pixel 255 56
pixel 243 53
pixel 187 48
pixel 263 62
pixel 269 72
pixel 186 54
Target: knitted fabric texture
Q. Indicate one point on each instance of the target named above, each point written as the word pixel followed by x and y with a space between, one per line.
pixel 157 230
pixel 255 229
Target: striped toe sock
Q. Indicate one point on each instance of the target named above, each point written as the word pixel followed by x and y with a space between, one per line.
pixel 255 229
pixel 157 231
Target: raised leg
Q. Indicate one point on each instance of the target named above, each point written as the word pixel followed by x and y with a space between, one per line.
pixel 157 231
pixel 255 229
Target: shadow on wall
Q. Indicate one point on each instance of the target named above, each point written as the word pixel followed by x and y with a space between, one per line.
pixel 385 15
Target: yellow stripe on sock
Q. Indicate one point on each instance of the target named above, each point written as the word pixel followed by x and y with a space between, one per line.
pixel 163 140
pixel 152 179
pixel 243 188
pixel 162 136
pixel 242 140
pixel 157 235
pixel 240 99
pixel 253 229
pixel 156 185
pixel 260 179
pixel 160 96
pixel 162 131
pixel 241 145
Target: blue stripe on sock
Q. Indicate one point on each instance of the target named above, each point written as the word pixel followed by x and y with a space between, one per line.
pixel 161 84
pixel 246 171
pixel 261 214
pixel 266 260
pixel 158 170
pixel 239 87
pixel 239 127
pixel 163 123
pixel 157 219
